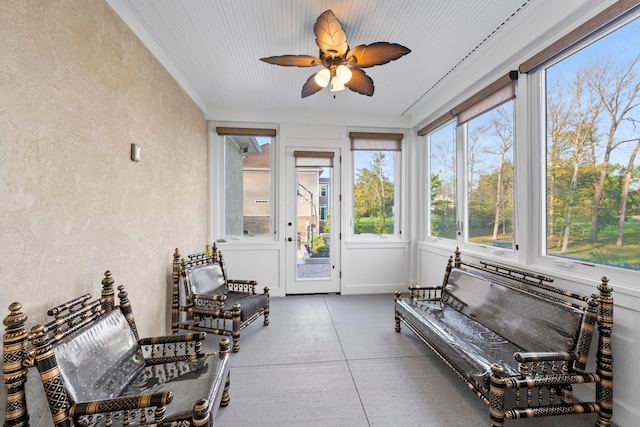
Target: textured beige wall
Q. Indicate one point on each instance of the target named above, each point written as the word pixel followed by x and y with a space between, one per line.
pixel 76 89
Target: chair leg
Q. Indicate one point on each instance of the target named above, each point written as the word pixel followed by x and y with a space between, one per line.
pixel 266 315
pixel 225 394
pixel 236 327
pixel 497 390
pixel 201 415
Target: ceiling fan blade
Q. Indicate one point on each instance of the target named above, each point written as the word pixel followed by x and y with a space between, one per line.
pixel 330 37
pixel 360 82
pixel 293 60
pixel 364 56
pixel 310 87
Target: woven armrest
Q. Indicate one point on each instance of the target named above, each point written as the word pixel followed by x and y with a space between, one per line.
pixel 208 297
pixel 127 403
pixel 542 356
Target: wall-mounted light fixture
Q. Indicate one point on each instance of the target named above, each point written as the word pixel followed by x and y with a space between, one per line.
pixel 135 152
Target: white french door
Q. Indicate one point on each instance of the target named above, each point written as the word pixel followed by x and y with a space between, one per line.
pixel 312 228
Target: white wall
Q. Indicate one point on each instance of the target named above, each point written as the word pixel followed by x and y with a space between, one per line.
pixel 265 260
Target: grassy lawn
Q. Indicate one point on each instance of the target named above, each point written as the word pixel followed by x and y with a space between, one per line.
pixel 367 227
pixel 604 252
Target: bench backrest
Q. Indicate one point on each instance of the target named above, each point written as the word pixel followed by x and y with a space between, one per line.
pixel 205 279
pixel 532 322
pixel 100 360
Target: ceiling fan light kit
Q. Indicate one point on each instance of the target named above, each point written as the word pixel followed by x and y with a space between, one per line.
pixel 338 77
pixel 342 66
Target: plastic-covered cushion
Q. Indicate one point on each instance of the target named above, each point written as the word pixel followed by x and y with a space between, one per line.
pixel 529 321
pixel 100 361
pixel 249 304
pixel 189 381
pixel 468 346
pixel 207 279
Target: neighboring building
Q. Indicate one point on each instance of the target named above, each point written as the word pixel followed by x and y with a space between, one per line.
pixel 307 206
pixel 256 182
pixel 323 200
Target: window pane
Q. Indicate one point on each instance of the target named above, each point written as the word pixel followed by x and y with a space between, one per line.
pixel 490 177
pixel 247 186
pixel 593 138
pixel 374 192
pixel 443 182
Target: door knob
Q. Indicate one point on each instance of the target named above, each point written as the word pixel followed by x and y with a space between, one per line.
pixel 290 239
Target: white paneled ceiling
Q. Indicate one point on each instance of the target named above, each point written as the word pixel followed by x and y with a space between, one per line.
pixel 212 47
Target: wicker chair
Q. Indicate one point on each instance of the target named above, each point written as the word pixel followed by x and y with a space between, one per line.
pixel 204 299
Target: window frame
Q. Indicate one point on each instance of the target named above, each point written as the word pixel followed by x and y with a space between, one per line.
pixel 464 183
pixel 427 180
pixel 324 190
pixel 217 160
pixel 536 95
pixel 475 106
pixel 399 175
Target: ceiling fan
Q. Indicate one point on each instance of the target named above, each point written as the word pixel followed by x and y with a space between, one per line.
pixel 342 66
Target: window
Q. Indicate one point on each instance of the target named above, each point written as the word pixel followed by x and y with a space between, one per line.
pixel 442 182
pixel 490 177
pixel 323 190
pixel 482 133
pixel 592 172
pixel 248 193
pixel 323 212
pixel 376 166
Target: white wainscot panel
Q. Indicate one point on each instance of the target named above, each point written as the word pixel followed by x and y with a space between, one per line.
pixel 432 263
pixel 375 269
pixel 262 264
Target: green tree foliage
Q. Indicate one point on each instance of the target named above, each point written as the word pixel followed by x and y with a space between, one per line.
pixel 443 212
pixel 319 245
pixel 589 194
pixel 490 176
pixel 327 225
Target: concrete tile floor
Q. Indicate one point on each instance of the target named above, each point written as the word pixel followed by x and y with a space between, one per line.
pixel 332 360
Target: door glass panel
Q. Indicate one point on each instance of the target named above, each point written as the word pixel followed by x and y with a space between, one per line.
pixel 313 223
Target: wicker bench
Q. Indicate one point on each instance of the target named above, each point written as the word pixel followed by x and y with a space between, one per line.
pixel 513 337
pixel 96 371
pixel 204 299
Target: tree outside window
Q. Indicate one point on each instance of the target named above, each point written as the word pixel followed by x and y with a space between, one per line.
pixel 593 139
pixel 374 192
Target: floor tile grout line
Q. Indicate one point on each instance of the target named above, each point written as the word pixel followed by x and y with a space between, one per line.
pixel 315 362
pixel 333 323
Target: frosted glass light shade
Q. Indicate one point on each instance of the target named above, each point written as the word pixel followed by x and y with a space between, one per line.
pixel 343 73
pixel 323 77
pixel 336 84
